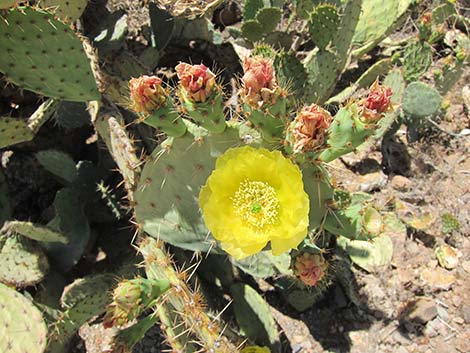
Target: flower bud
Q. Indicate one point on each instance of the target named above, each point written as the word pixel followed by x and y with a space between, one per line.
pixel 197 80
pixel 310 268
pixel 147 94
pixel 376 103
pixel 309 129
pixel 258 80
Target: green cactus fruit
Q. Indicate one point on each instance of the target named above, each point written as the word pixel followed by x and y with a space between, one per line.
pixel 346 133
pixel 167 195
pixel 131 298
pixel 34 231
pixel 58 163
pixel 5 208
pixel 357 220
pixel 167 119
pixel 323 24
pixel 270 119
pixel 22 327
pixel 13 130
pixel 44 55
pixel 264 264
pixel 23 263
pixel 319 189
pixel 268 18
pixel 71 221
pixel 253 316
pixel 420 100
pixel 208 114
pixel 70 10
pixel 417 59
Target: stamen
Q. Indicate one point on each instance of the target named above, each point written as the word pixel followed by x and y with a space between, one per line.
pixel 256 202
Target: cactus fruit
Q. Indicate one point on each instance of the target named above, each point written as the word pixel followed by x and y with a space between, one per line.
pixel 23 263
pixel 310 268
pixel 43 54
pixel 201 96
pixel 131 298
pixel 155 105
pixel 22 327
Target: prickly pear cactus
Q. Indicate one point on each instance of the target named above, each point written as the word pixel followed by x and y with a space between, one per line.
pixel 66 9
pixel 22 327
pixel 23 263
pixel 44 55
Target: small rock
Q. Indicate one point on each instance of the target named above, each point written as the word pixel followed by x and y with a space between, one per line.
pixel 368 182
pixel 442 313
pixel 447 256
pixel 438 278
pixel 401 183
pixel 459 321
pixel 462 343
pixel 466 313
pixel 420 310
pixel 436 327
pixel 466 266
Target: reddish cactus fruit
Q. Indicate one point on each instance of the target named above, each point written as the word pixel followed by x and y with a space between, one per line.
pixel 147 94
pixel 197 80
pixel 310 268
pixel 376 103
pixel 259 82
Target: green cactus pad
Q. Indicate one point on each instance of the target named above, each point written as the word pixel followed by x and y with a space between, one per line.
pixel 417 59
pixel 66 9
pixel 302 299
pixel 253 316
pixel 58 163
pixel 22 263
pixel 368 254
pixel 346 29
pixel 5 208
pixel 167 119
pixel 290 72
pixel 323 24
pixel 22 327
pixel 264 264
pixel 35 232
pixel 421 100
pixel 168 192
pixel 269 18
pixel 44 55
pixel 252 30
pixel 357 220
pixel 71 221
pixel 208 114
pixel 322 70
pixel 251 8
pixel 319 190
pixel 13 130
pixel 345 133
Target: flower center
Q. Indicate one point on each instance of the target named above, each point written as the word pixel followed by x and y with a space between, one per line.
pixel 256 202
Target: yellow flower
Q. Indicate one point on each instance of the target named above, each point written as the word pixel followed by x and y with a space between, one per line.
pixel 255 349
pixel 252 197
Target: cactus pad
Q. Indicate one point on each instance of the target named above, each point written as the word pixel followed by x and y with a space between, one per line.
pixel 323 25
pixel 22 263
pixel 268 18
pixel 35 232
pixel 67 9
pixel 22 327
pixel 167 195
pixel 252 30
pixel 44 55
pixel 421 100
